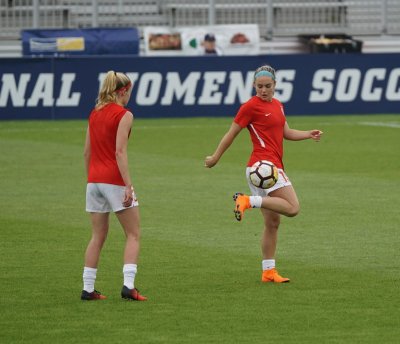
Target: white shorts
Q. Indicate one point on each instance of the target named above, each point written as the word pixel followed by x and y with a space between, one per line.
pixel 283 181
pixel 104 198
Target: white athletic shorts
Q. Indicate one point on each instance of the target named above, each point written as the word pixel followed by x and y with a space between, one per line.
pixel 104 198
pixel 283 181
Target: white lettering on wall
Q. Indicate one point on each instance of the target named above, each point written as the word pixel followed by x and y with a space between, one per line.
pixel 43 90
pixel 66 98
pixel 204 88
pixel 369 93
pixel 348 85
pixel 284 84
pixel 352 82
pixel 133 77
pixel 176 88
pixel 393 87
pixel 10 89
pixel 212 82
pixel 239 87
pixel 149 88
pixel 322 85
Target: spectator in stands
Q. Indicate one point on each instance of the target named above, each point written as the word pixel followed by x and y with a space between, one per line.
pixel 210 45
pixel 264 118
pixel 110 185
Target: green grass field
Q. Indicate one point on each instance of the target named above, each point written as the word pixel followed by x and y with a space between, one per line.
pixel 199 267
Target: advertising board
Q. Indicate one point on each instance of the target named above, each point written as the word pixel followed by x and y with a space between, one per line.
pixel 60 88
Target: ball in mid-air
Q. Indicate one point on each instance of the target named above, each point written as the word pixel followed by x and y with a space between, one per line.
pixel 263 174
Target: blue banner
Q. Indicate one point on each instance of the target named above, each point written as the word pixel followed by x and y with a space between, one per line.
pixel 70 42
pixel 63 88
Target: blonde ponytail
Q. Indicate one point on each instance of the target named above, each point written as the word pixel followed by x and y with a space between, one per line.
pixel 112 84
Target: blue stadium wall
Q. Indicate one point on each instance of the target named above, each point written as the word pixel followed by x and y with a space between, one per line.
pixel 66 88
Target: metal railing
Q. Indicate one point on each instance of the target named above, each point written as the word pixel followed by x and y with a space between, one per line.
pixel 274 17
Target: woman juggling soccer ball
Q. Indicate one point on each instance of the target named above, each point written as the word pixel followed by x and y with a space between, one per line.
pixel 109 184
pixel 265 120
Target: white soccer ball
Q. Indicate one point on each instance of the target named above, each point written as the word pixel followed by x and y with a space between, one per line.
pixel 263 174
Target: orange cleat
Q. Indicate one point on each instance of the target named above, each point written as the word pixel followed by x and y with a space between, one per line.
pixel 132 294
pixel 242 202
pixel 94 295
pixel 273 276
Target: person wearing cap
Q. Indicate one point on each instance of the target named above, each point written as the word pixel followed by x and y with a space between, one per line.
pixel 109 184
pixel 210 45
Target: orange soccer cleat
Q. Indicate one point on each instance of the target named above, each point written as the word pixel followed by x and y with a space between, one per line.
pixel 273 276
pixel 132 294
pixel 94 295
pixel 242 202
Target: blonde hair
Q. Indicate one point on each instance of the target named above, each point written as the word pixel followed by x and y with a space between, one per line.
pixel 113 84
pixel 264 68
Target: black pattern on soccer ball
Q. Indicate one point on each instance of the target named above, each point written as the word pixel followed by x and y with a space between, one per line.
pixel 263 174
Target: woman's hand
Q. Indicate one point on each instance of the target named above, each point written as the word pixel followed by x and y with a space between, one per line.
pixel 210 161
pixel 226 141
pixel 128 197
pixel 316 134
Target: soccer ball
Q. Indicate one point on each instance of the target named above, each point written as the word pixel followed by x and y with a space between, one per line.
pixel 263 174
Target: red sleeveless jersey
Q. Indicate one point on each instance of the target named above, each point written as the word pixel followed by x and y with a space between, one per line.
pixel 103 126
pixel 265 122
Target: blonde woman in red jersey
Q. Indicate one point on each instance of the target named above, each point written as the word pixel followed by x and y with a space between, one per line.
pixel 109 185
pixel 264 118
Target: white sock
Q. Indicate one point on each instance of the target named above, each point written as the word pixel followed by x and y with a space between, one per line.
pixel 129 271
pixel 268 264
pixel 255 201
pixel 89 277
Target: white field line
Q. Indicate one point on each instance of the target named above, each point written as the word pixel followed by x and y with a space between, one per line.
pixel 381 124
pixel 371 124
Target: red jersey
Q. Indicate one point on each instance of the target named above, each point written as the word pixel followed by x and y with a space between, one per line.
pixel 103 126
pixel 265 122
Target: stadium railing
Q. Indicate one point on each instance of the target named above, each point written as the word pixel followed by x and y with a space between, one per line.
pixel 275 18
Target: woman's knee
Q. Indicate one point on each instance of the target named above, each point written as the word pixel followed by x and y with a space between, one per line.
pixel 133 234
pixel 272 223
pixel 99 239
pixel 293 210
